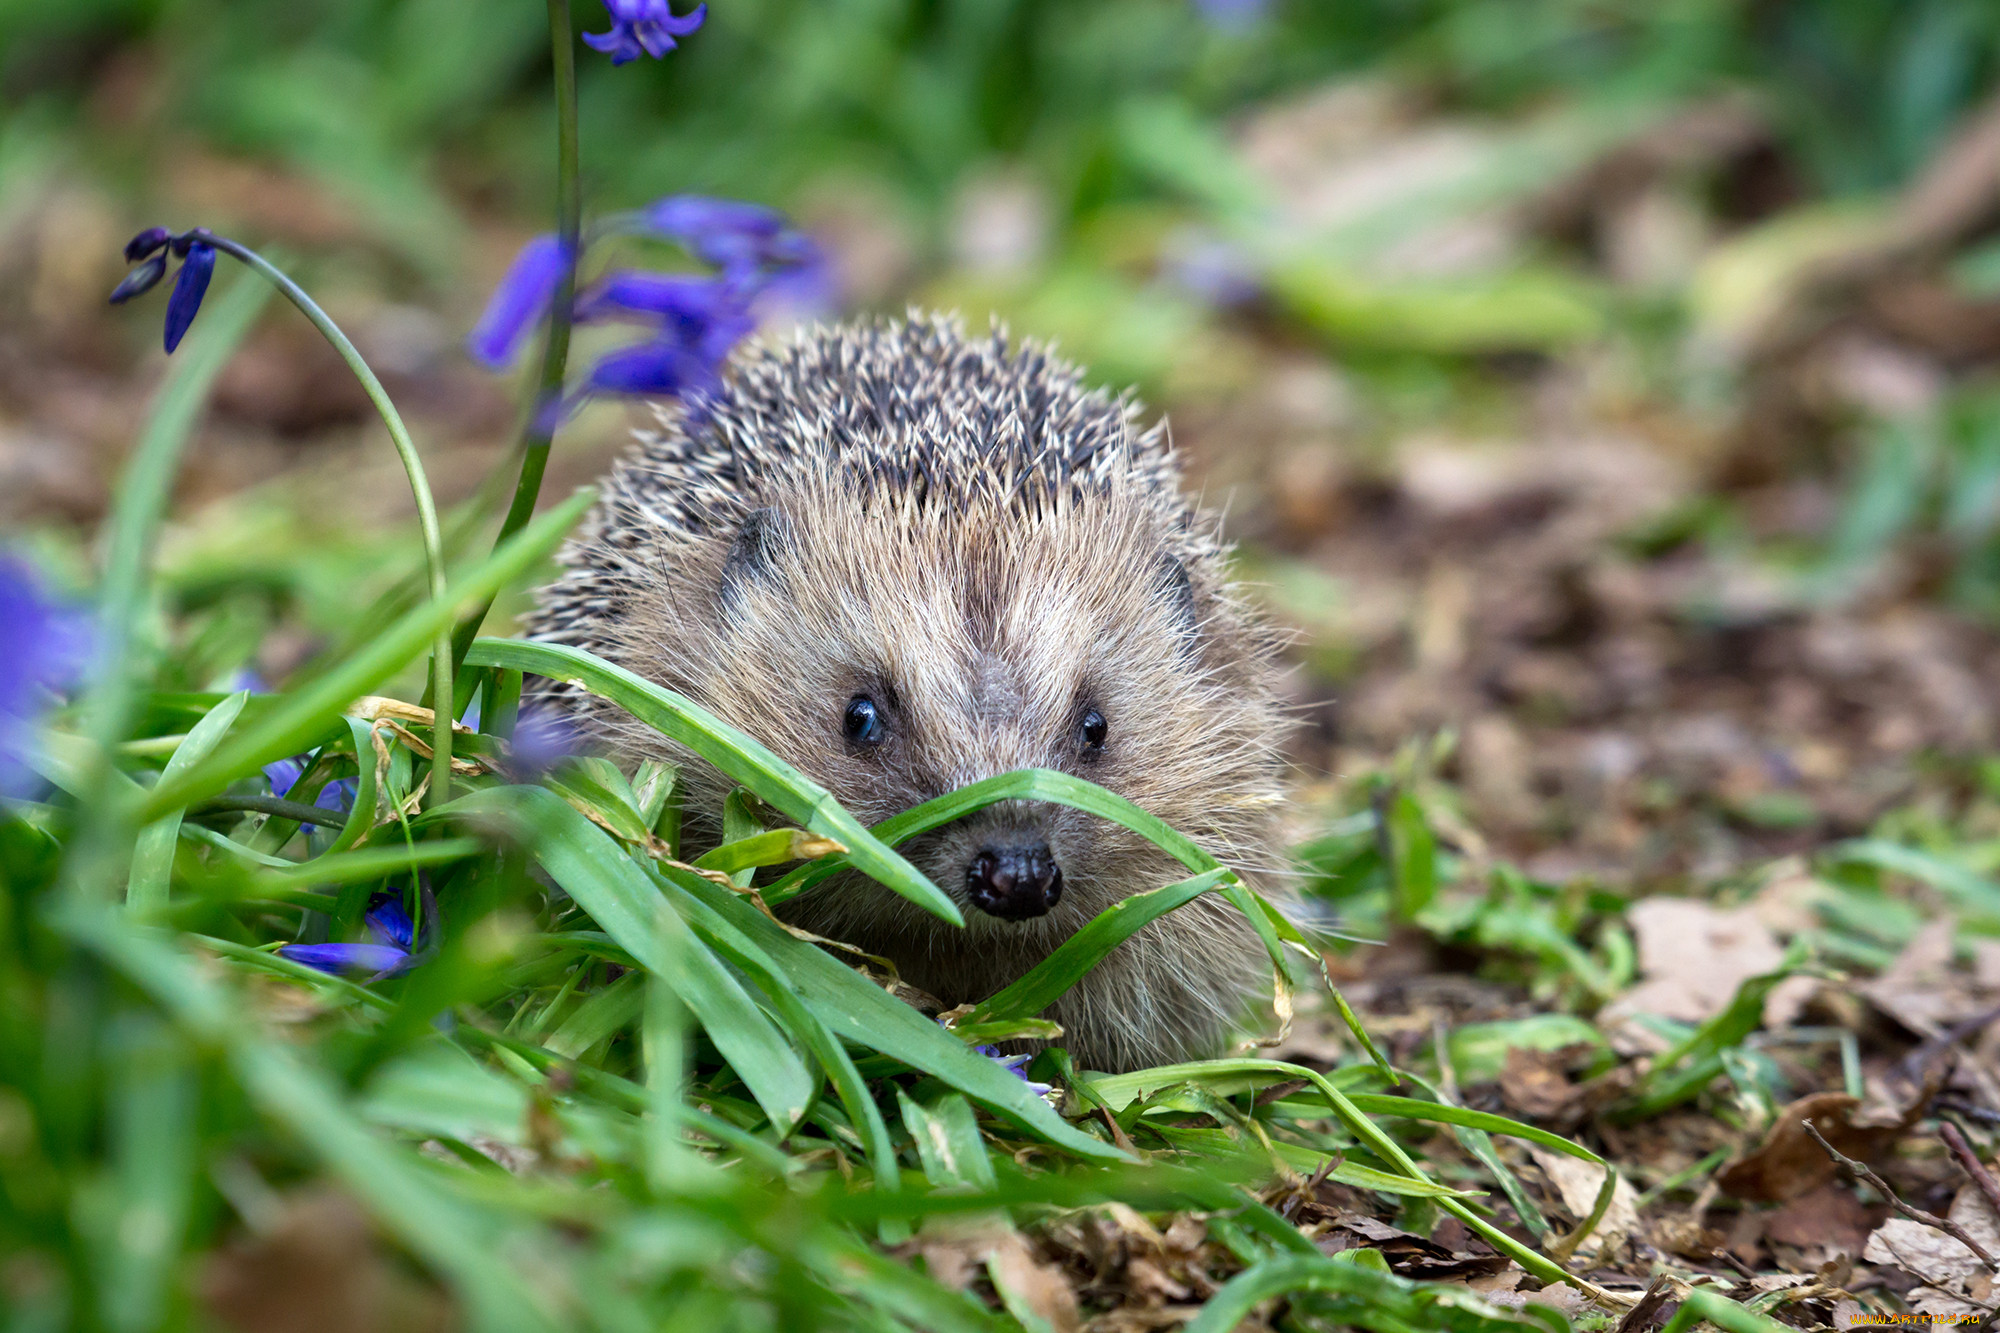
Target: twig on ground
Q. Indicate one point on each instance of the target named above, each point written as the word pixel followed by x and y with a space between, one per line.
pixel 1642 1317
pixel 1881 1186
pixel 1729 1260
pixel 1954 1139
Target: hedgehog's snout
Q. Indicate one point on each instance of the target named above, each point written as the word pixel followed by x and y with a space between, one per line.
pixel 1014 881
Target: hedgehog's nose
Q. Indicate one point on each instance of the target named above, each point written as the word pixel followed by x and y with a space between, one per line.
pixel 1014 883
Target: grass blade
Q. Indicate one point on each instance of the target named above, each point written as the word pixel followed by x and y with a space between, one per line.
pixel 153 856
pixel 1439 1113
pixel 609 885
pixel 863 1013
pixel 948 1142
pixel 731 751
pixel 817 1038
pixel 1048 979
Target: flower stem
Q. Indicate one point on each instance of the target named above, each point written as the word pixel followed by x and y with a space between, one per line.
pixel 539 431
pixel 442 662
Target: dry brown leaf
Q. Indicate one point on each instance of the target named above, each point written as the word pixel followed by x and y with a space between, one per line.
pixel 1955 1281
pixel 1824 1223
pixel 1922 989
pixel 1693 957
pixel 1578 1182
pixel 1788 1163
pixel 1029 1282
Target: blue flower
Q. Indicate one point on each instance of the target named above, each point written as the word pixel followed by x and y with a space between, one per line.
pixel 643 28
pixel 147 242
pixel 140 280
pixel 387 952
pixel 1211 268
pixel 694 320
pixel 519 302
pixel 659 369
pixel 1017 1065
pixel 149 250
pixel 336 796
pixel 47 645
pixel 189 287
pixel 756 248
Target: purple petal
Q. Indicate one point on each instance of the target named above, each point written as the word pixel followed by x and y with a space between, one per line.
pixel 337 796
pixel 388 919
pixel 659 369
pixel 1017 1065
pixel 338 958
pixel 687 23
pixel 656 294
pixel 284 774
pixel 140 280
pixel 521 299
pixel 723 232
pixel 189 287
pixel 146 242
pixel 806 288
pixel 47 646
pixel 246 678
pixel 619 44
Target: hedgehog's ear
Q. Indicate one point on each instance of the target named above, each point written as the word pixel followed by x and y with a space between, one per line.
pixel 751 555
pixel 1174 588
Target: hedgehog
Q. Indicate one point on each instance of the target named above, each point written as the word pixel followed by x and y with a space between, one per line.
pixel 906 559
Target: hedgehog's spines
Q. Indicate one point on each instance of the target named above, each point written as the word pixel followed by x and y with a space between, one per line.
pixel 992 417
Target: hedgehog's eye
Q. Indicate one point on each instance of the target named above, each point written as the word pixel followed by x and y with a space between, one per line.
pixel 862 721
pixel 1091 731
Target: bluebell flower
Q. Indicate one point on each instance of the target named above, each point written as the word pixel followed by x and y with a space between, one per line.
pixel 1211 268
pixel 643 28
pixel 336 796
pixel 149 251
pixel 147 242
pixel 519 302
pixel 658 369
pixel 392 937
pixel 757 248
pixel 694 320
pixel 46 646
pixel 247 678
pixel 1017 1065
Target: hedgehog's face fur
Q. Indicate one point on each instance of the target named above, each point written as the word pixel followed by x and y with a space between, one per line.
pixel 973 631
pixel 982 648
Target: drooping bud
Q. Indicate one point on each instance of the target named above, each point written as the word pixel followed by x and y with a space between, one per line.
pixel 146 242
pixel 140 280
